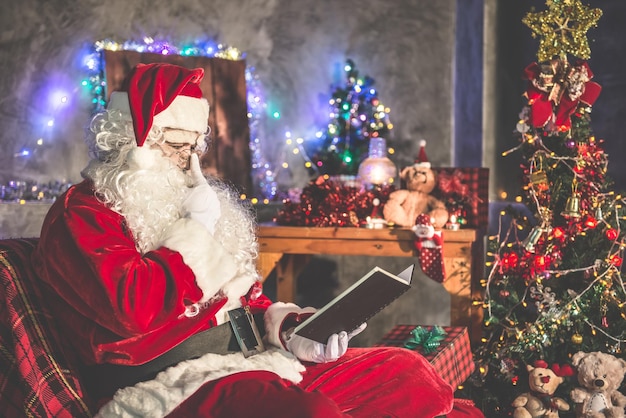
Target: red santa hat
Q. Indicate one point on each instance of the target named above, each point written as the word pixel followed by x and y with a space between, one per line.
pixel 423 219
pixel 164 95
pixel 421 159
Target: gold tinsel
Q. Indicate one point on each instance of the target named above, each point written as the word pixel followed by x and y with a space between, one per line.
pixel 563 28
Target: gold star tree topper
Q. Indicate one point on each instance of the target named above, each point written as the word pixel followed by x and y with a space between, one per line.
pixel 563 28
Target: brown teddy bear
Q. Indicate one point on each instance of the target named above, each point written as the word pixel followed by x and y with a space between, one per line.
pixel 599 375
pixel 540 401
pixel 404 205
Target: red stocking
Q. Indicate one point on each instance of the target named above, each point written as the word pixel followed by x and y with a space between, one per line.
pixel 431 261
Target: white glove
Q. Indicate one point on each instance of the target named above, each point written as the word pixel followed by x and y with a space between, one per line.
pixel 201 203
pixel 309 350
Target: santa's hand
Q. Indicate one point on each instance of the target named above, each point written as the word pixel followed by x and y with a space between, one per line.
pixel 313 351
pixel 201 203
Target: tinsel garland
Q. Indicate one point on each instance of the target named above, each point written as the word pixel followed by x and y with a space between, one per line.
pixel 327 202
pixel 30 190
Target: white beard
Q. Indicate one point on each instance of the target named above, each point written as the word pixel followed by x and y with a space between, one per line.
pixel 149 193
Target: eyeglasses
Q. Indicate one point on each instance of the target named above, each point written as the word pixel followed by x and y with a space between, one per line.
pixel 181 151
pixel 178 145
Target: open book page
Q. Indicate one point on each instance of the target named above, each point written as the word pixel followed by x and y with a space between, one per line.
pixel 357 304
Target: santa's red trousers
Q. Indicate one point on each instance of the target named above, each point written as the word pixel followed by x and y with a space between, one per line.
pixel 365 382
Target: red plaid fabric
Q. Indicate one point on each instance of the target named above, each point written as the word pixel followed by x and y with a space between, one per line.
pixel 452 359
pixel 477 180
pixel 37 377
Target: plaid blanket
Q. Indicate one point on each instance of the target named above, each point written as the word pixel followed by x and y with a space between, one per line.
pixel 37 375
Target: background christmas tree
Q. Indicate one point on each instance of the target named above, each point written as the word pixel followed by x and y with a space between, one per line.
pixel 554 285
pixel 356 115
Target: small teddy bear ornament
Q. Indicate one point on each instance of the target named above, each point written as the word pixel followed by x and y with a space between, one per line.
pixel 404 205
pixel 599 376
pixel 540 401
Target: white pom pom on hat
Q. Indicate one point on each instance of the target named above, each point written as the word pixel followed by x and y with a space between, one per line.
pixel 164 95
pixel 422 159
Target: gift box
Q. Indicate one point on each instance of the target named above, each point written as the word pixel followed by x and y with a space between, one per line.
pixel 468 189
pixel 452 357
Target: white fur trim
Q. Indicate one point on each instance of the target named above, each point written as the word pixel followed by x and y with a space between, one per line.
pixel 187 113
pixel 142 158
pixel 275 316
pixel 212 265
pixel 158 397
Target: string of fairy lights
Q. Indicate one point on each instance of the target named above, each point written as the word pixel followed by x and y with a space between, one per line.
pixel 264 168
pixel 605 270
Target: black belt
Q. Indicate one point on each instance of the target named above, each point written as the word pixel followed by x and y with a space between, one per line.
pixel 217 340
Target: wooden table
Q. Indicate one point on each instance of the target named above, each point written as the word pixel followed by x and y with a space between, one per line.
pixel 287 249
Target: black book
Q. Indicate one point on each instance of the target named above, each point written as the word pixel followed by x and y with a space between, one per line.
pixel 357 304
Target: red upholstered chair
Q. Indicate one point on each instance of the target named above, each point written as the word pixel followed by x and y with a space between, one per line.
pixel 38 373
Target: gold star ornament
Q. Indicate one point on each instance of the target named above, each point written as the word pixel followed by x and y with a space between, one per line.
pixel 562 28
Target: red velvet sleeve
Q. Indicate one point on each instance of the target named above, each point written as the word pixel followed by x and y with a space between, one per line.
pixel 91 261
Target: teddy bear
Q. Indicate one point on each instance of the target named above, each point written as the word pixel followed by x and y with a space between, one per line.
pixel 404 205
pixel 540 401
pixel 599 376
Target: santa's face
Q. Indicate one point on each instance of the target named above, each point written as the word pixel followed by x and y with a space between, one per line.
pixel 178 145
pixel 424 231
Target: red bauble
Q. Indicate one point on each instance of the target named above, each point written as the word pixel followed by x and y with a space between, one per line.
pixel 558 233
pixel 611 234
pixel 509 261
pixel 616 260
pixel 590 222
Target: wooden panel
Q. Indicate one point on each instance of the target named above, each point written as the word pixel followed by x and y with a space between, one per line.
pixel 224 86
pixel 230 135
pixel 333 246
pixel 387 234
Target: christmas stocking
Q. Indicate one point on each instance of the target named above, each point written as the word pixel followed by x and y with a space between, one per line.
pixel 431 260
pixel 428 244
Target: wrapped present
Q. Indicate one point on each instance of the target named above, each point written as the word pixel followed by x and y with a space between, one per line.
pixel 465 192
pixel 446 348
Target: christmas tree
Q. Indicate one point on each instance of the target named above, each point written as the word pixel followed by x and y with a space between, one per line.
pixel 356 115
pixel 554 285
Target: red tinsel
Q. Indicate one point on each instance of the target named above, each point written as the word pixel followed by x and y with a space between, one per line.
pixel 330 203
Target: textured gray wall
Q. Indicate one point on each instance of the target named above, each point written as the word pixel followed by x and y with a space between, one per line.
pixel 297 48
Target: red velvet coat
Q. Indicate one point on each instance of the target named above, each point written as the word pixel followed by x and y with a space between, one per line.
pixel 120 306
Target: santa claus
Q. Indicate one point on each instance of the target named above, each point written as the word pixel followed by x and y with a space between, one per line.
pixel 146 258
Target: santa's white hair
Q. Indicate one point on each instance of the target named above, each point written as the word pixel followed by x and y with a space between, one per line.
pixel 148 189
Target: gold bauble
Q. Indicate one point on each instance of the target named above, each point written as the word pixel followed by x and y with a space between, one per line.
pixel 577 339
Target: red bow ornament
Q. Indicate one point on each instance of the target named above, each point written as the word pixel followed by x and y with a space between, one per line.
pixel 452 183
pixel 555 90
pixel 564 371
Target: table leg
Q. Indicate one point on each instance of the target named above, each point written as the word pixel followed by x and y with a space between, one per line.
pixel 287 271
pixel 458 285
pixel 288 267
